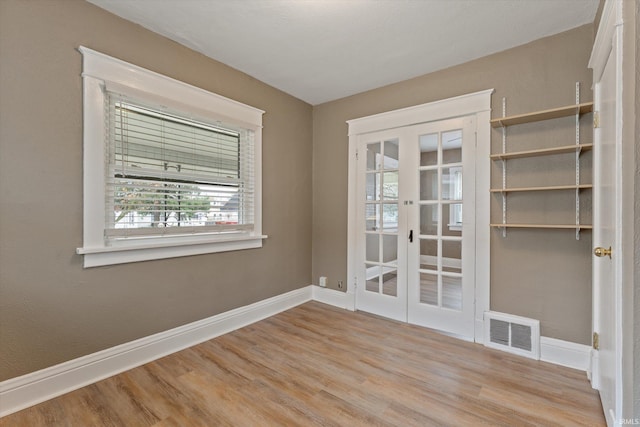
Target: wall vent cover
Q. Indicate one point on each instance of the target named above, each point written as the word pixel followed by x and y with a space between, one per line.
pixel 515 334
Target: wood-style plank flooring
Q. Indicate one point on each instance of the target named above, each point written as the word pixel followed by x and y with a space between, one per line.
pixel 319 365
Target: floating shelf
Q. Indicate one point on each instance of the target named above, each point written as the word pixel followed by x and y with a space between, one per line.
pixel 551 188
pixel 543 152
pixel 548 226
pixel 554 113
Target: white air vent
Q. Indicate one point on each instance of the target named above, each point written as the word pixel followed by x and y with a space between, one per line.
pixel 515 334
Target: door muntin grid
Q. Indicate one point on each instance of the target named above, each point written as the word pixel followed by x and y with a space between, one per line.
pixel 381 217
pixel 440 219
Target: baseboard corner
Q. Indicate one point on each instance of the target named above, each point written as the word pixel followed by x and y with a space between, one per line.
pixel 331 297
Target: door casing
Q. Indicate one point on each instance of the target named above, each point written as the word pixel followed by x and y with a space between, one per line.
pixel 608 46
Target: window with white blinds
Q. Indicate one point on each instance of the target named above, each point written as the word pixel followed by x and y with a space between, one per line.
pixel 168 174
pixel 169 169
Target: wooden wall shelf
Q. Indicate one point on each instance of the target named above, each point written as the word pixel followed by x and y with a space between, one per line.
pixel 543 152
pixel 537 116
pixel 549 188
pixel 548 226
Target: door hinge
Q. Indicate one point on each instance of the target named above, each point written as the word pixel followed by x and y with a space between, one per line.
pixel 356 154
pixel 596 119
pixel 596 341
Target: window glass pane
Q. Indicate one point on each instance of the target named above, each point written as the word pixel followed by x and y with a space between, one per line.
pixel 452 146
pixel 139 203
pixel 429 149
pixel 372 213
pixel 374 159
pixel 452 292
pixel 390 216
pixel 391 154
pixel 429 254
pixel 373 273
pixel 429 289
pixel 373 247
pixel 452 256
pixel 372 189
pixel 390 249
pixel 429 220
pixel 429 185
pixel 390 283
pixel 390 186
pixel 452 183
pixel 453 212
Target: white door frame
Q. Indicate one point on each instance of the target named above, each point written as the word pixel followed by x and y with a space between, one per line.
pixel 609 42
pixel 477 104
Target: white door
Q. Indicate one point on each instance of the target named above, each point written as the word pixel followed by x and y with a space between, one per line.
pixel 381 249
pixel 604 238
pixel 414 263
pixel 441 258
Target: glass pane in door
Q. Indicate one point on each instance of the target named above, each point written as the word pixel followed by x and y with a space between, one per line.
pixel 381 210
pixel 452 146
pixel 441 201
pixel 429 288
pixel 390 283
pixel 452 292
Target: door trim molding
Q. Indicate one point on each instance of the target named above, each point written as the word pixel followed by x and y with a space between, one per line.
pixel 476 104
pixel 608 45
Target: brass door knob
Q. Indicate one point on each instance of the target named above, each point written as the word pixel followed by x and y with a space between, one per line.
pixel 602 252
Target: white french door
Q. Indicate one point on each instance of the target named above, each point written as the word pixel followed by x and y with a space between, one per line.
pixel 441 220
pixel 416 224
pixel 382 250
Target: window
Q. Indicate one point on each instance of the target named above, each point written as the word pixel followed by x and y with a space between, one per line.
pixel 169 169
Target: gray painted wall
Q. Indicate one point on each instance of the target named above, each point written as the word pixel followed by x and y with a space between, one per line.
pixel 53 310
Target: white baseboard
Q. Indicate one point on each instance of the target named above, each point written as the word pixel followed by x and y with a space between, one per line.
pixel 332 297
pixel 36 387
pixel 565 353
pixel 594 375
pixel 479 331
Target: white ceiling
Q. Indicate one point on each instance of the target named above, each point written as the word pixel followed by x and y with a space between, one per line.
pixel 321 50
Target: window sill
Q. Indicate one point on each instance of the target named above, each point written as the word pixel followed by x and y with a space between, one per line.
pixel 147 251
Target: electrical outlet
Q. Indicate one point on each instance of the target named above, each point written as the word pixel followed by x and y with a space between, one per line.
pixel 339 284
pixel 323 282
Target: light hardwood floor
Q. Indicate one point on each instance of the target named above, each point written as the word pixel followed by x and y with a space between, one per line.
pixel 319 365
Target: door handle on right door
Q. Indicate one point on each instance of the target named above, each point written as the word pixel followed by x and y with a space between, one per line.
pixel 602 252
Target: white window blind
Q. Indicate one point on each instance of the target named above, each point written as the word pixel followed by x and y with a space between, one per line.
pixel 167 174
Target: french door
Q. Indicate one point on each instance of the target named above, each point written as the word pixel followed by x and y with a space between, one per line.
pixel 416 227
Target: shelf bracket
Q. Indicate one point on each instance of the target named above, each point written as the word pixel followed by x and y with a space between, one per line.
pixel 504 169
pixel 578 161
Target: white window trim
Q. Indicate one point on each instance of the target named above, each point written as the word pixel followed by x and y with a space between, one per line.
pixel 100 71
